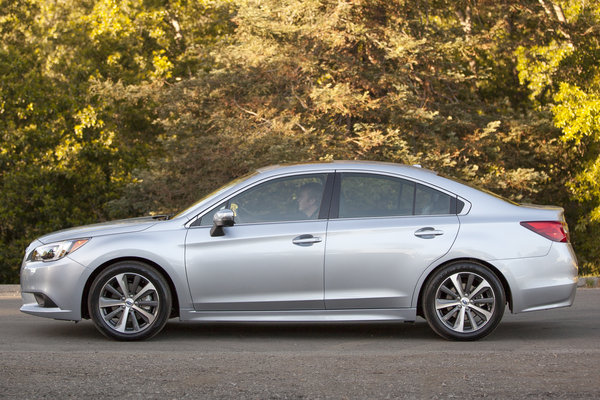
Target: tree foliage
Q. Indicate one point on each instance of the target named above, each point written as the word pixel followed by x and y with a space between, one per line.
pixel 122 108
pixel 562 71
pixel 76 110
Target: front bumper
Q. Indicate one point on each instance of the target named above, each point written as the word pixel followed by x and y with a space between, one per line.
pixel 60 281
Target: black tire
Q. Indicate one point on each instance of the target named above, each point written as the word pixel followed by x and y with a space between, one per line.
pixel 136 315
pixel 469 313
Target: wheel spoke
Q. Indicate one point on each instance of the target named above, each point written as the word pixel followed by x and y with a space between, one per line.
pixel 145 314
pixel 106 302
pixel 486 300
pixel 145 291
pixel 470 280
pixel 481 311
pixel 110 315
pixel 474 325
pixel 451 313
pixel 459 324
pixel 113 290
pixel 122 280
pixel 122 324
pixel 483 285
pixel 136 325
pixel 449 292
pixel 147 303
pixel 135 284
pixel 457 285
pixel 445 303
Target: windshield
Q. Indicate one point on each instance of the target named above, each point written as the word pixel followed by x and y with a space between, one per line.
pixel 215 193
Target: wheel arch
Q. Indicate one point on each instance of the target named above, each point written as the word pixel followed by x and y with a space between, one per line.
pixel 86 290
pixel 496 271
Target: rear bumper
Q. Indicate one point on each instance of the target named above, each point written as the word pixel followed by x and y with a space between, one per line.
pixel 541 283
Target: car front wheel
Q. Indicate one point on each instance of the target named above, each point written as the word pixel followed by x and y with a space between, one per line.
pixel 463 301
pixel 129 301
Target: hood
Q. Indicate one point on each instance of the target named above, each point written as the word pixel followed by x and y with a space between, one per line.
pixel 104 228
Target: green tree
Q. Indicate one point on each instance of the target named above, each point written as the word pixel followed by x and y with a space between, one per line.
pixel 77 108
pixel 561 68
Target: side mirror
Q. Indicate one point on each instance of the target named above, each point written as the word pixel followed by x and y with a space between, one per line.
pixel 222 218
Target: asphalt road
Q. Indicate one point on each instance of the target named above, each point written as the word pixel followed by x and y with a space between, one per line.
pixel 547 354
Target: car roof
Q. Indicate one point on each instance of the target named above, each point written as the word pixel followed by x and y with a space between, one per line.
pixel 410 170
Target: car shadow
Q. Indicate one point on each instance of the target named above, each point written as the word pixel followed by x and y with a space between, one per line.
pixel 176 331
pixel 296 331
pixel 196 331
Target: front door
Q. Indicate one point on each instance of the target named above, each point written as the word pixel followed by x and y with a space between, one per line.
pixel 271 259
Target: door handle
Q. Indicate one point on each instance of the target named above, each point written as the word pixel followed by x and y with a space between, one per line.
pixel 428 233
pixel 306 240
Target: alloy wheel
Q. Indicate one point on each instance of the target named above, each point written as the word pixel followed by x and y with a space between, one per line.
pixel 129 303
pixel 465 302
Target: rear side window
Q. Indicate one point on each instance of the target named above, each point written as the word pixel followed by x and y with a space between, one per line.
pixel 370 195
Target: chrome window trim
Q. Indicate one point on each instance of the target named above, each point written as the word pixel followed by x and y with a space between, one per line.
pixel 387 217
pixel 264 223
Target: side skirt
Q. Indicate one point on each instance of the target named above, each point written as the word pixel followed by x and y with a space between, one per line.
pixel 399 314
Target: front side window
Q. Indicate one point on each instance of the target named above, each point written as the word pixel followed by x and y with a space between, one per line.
pixel 370 195
pixel 296 198
pixel 207 219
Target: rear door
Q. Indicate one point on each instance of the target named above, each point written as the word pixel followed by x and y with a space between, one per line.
pixel 384 232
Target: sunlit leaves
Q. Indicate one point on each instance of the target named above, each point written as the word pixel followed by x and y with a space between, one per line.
pixel 538 64
pixel 577 112
pixel 562 72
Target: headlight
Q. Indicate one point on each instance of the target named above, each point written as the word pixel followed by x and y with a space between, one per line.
pixel 55 251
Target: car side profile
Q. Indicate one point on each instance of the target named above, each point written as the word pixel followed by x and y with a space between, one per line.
pixel 337 241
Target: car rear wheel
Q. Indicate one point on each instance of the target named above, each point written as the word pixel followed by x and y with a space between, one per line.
pixel 129 301
pixel 464 301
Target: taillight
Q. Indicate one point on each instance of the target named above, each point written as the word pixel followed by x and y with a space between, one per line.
pixel 553 230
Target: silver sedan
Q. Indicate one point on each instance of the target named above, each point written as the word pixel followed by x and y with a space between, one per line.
pixel 340 241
